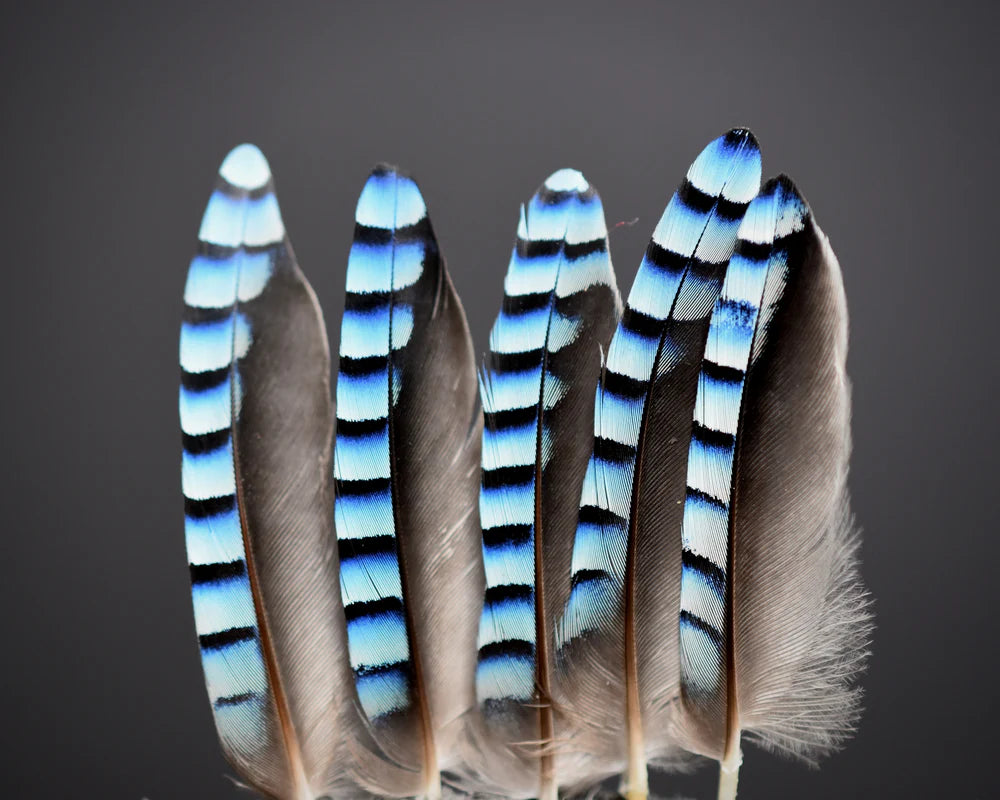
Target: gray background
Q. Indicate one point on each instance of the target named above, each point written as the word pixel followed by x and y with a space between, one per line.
pixel 114 121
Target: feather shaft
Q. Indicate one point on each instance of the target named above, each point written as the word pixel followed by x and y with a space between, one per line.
pixel 729 771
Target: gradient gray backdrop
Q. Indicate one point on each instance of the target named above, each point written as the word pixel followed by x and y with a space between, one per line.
pixel 114 122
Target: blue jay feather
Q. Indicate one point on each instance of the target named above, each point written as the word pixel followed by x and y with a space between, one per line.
pixel 559 310
pixel 614 642
pixel 376 322
pixel 761 249
pixel 773 618
pixel 406 476
pixel 256 508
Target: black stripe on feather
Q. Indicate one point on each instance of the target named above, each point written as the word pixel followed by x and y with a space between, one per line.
pixel 349 549
pixel 373 608
pixel 211 507
pixel 203 381
pixel 204 442
pixel 503 535
pixel 506 648
pixel 215 573
pixel 226 638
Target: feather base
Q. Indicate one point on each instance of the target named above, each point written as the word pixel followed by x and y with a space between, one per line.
pixel 729 770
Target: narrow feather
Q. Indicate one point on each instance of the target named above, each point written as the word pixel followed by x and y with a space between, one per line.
pixel 559 310
pixel 257 425
pixel 774 619
pixel 616 651
pixel 407 474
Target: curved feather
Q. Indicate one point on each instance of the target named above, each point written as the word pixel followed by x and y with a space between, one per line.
pixel 774 620
pixel 617 651
pixel 257 427
pixel 407 479
pixel 560 307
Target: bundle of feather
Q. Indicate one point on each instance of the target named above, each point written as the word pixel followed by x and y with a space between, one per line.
pixel 626 547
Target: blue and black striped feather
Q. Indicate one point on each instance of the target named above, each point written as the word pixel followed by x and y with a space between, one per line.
pixel 559 310
pixel 406 468
pixel 618 649
pixel 774 620
pixel 257 426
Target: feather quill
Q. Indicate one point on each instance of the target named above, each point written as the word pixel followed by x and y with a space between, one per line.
pixel 774 620
pixel 618 649
pixel 559 310
pixel 407 481
pixel 257 426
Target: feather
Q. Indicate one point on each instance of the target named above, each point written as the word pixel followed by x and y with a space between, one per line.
pixel 257 426
pixel 559 310
pixel 774 620
pixel 407 479
pixel 618 648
